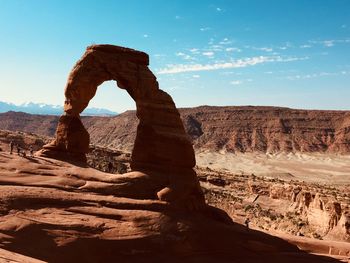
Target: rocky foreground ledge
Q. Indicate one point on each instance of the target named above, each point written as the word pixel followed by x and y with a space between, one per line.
pixel 56 211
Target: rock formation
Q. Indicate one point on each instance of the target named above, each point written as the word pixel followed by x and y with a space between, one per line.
pixel 54 211
pixel 233 129
pixel 325 214
pixel 72 214
pixel 162 151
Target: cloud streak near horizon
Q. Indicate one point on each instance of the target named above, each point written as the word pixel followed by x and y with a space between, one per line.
pixel 240 63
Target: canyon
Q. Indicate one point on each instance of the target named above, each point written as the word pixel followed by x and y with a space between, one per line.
pixel 232 129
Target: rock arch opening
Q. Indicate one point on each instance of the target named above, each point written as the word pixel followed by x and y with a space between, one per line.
pixel 161 149
pixel 115 129
pixel 111 98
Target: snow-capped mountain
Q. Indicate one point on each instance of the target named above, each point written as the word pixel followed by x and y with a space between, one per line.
pixel 47 109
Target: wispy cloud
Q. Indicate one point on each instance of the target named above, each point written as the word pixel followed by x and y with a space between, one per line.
pixel 316 75
pixel 216 47
pixel 266 49
pixel 145 36
pixel 240 81
pixel 240 63
pixel 159 55
pixel 204 29
pixel 211 41
pixel 236 82
pixel 177 17
pixel 208 54
pixel 218 9
pixel 225 41
pixel 330 42
pixel 194 50
pixel 231 73
pixel 184 56
pixel 233 49
pixel 290 59
pixel 305 46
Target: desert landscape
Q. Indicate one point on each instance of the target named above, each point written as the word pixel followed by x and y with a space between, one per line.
pixel 207 131
pixel 300 196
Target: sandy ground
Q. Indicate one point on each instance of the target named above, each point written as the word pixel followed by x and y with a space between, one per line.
pixel 321 168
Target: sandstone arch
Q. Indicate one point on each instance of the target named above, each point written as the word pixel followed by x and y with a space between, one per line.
pixel 161 149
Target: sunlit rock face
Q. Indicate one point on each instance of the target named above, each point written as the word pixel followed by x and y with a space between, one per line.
pixel 161 146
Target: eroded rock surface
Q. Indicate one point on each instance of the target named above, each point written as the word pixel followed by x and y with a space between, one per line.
pixel 312 210
pixel 55 211
pixel 161 146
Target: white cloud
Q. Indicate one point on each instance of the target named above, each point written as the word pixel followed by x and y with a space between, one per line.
pixel 316 75
pixel 216 48
pixel 266 49
pixel 305 46
pixel 343 26
pixel 240 63
pixel 233 49
pixel 188 57
pixel 178 17
pixel 204 29
pixel 195 76
pixel 208 53
pixel 236 82
pixel 171 88
pixel 289 59
pixel 184 56
pixel 328 43
pixel 225 41
pixel 231 73
pixel 145 35
pixel 180 54
pixel 194 50
pixel 218 9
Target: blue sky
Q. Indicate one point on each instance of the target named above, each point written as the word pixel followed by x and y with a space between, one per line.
pixel 292 53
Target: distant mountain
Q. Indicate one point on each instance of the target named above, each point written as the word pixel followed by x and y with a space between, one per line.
pixel 232 129
pixel 47 109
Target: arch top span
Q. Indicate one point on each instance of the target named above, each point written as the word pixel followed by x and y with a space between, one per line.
pixel 128 67
pixel 123 53
pixel 161 149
